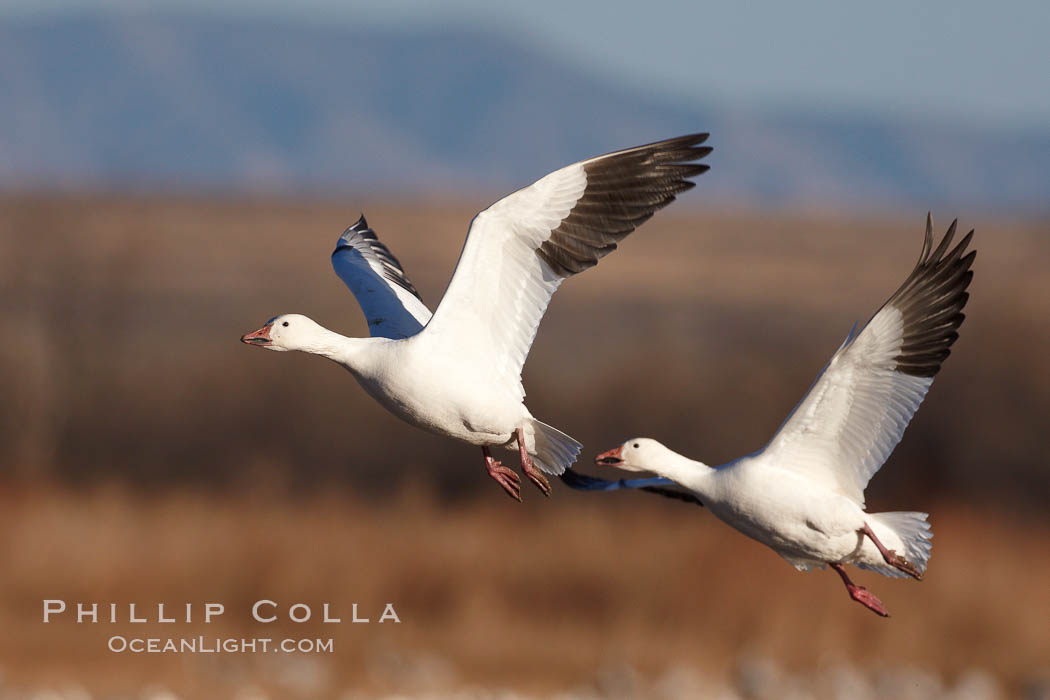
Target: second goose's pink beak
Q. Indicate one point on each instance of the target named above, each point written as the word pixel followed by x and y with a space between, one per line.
pixel 611 458
pixel 259 337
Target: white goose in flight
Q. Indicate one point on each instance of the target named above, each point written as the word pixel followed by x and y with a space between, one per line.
pixel 803 494
pixel 458 372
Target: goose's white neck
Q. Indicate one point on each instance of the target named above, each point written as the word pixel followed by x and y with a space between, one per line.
pixel 349 352
pixel 690 473
pixel 296 332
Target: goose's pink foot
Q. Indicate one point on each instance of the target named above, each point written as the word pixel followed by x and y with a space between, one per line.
pixel 505 476
pixel 859 593
pixel 534 474
pixel 892 558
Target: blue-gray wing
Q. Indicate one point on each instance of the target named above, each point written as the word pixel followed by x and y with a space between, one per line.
pixel 659 485
pixel 391 304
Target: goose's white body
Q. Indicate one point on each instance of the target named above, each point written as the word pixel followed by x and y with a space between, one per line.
pixel 439 393
pixel 804 520
pixel 457 372
pixel 456 392
pixel 803 494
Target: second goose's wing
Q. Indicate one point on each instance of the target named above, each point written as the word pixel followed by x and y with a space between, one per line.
pixel 856 411
pixel 659 485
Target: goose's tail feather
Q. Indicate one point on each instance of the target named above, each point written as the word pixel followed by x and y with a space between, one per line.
pixel 554 451
pixel 914 533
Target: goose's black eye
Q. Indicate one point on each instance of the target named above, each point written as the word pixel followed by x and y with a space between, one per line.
pixel 285 324
pixel 636 445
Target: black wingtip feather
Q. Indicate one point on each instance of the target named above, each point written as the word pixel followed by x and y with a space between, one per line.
pixel 931 302
pixel 624 189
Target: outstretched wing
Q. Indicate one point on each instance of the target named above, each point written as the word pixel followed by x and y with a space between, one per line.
pixel 392 306
pixel 856 411
pixel 520 249
pixel 659 485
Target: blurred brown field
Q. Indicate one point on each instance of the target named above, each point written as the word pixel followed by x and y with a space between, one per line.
pixel 589 594
pixel 148 456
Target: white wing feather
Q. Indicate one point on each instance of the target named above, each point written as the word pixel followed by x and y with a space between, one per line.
pixel 501 288
pixel 855 413
pixel 520 249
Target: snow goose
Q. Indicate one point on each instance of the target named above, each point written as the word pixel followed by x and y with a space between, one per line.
pixel 458 372
pixel 803 494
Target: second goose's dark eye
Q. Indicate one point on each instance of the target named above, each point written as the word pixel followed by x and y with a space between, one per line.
pixel 285 324
pixel 636 445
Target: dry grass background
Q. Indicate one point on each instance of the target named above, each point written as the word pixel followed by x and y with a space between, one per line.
pixel 546 597
pixel 150 457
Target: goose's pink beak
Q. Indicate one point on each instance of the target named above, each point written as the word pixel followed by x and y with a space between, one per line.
pixel 259 337
pixel 611 458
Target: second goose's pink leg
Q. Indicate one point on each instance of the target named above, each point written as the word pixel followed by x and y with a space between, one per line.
pixel 530 469
pixel 892 558
pixel 505 476
pixel 859 593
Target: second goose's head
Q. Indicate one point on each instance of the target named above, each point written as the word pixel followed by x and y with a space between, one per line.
pixel 637 455
pixel 288 332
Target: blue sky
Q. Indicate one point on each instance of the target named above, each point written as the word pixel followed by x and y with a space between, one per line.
pixel 973 62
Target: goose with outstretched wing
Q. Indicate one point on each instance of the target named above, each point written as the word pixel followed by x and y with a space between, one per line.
pixel 803 494
pixel 458 372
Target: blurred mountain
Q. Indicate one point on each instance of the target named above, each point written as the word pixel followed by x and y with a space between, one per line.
pixel 128 100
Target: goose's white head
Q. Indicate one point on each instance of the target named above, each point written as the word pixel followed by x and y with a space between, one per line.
pixel 287 332
pixel 637 455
